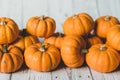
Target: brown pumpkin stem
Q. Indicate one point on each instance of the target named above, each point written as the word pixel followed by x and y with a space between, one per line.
pixel 103 48
pixel 2 23
pixel 60 34
pixel 42 17
pixel 24 32
pixel 107 18
pixel 4 49
pixel 75 16
pixel 83 51
pixel 43 49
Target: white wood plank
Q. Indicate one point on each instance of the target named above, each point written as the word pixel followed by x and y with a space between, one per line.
pixel 12 9
pixel 105 76
pixel 117 75
pixel 115 8
pixel 103 7
pixel 69 72
pixel 81 73
pixel 60 74
pixel 5 76
pixel 97 75
pixel 39 75
pixel 28 74
pixel 34 8
pixel 88 6
pixel 60 11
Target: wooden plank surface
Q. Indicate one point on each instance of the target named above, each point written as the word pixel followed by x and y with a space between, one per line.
pixel 62 73
pixel 22 10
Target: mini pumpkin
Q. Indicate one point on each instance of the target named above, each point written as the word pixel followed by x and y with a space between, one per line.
pixel 103 24
pixel 42 57
pixel 92 39
pixel 11 58
pixel 79 24
pixel 41 26
pixel 8 30
pixel 102 58
pixel 25 40
pixel 113 37
pixel 71 51
pixel 56 39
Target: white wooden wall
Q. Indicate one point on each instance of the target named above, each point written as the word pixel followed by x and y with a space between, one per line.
pixel 22 10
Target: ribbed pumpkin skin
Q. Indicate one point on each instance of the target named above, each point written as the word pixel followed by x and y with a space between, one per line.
pixel 41 26
pixel 103 24
pixel 93 40
pixel 10 61
pixel 42 61
pixel 71 51
pixel 56 39
pixel 113 37
pixel 102 61
pixel 80 25
pixel 25 40
pixel 8 30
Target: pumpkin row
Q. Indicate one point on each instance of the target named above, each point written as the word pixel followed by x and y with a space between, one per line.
pixel 81 35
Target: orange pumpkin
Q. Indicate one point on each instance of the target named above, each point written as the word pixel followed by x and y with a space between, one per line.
pixel 8 30
pixel 11 58
pixel 56 39
pixel 79 24
pixel 42 57
pixel 71 51
pixel 102 58
pixel 25 40
pixel 103 24
pixel 92 39
pixel 41 26
pixel 113 37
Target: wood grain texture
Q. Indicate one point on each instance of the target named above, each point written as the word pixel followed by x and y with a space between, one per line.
pixel 22 10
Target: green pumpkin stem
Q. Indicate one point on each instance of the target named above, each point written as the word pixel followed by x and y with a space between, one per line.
pixel 43 49
pixel 2 23
pixel 83 51
pixel 107 18
pixel 75 16
pixel 4 49
pixel 42 17
pixel 103 48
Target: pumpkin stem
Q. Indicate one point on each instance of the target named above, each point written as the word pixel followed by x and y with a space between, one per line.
pixel 75 16
pixel 43 49
pixel 83 51
pixel 103 48
pixel 24 32
pixel 42 17
pixel 4 49
pixel 107 18
pixel 60 34
pixel 2 23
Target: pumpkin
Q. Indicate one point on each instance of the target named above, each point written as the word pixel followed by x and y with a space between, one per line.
pixel 25 40
pixel 56 39
pixel 113 37
pixel 102 58
pixel 42 57
pixel 8 30
pixel 78 24
pixel 41 26
pixel 72 50
pixel 92 39
pixel 11 58
pixel 103 24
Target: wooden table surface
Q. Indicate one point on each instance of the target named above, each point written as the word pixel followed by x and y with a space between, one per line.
pixel 61 73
